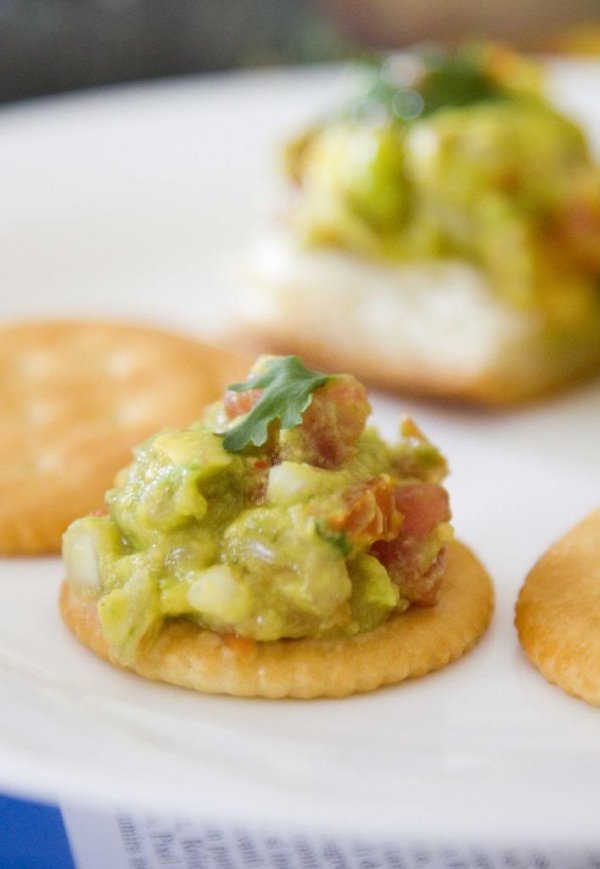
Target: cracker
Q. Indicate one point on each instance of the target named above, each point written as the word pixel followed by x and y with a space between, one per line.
pixel 409 645
pixel 558 612
pixel 76 397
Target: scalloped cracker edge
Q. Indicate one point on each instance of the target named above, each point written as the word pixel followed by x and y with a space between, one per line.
pixel 409 645
pixel 558 612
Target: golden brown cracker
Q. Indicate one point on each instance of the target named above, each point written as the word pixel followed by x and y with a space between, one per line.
pixel 558 612
pixel 76 397
pixel 409 645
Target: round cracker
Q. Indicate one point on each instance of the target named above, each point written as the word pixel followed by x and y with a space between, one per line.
pixel 408 645
pixel 76 397
pixel 558 612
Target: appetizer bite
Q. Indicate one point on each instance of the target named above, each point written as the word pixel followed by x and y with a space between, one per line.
pixel 558 612
pixel 277 548
pixel 76 397
pixel 442 235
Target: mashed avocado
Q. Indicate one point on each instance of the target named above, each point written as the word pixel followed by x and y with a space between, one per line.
pixel 458 155
pixel 252 524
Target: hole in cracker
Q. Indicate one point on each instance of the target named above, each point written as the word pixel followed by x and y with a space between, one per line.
pixel 135 411
pixel 121 363
pixel 34 364
pixel 40 413
pixel 48 463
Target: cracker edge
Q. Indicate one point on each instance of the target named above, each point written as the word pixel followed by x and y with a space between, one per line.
pixel 410 645
pixel 555 588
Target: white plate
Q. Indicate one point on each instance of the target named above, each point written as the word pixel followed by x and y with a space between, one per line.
pixel 120 203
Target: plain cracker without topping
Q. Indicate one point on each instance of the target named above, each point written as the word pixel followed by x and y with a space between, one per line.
pixel 409 645
pixel 558 612
pixel 76 397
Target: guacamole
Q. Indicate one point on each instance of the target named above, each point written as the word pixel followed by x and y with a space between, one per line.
pixel 459 155
pixel 277 515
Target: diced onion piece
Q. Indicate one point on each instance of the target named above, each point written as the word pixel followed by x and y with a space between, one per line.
pixel 218 594
pixel 81 557
pixel 294 481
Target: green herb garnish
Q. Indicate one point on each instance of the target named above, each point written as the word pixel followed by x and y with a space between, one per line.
pixel 339 539
pixel 439 79
pixel 288 387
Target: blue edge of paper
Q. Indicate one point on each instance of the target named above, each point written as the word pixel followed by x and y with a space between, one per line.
pixel 32 836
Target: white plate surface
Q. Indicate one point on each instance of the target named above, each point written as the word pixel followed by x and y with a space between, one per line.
pixel 121 203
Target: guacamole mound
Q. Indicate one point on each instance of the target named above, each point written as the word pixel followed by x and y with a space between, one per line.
pixel 318 529
pixel 459 155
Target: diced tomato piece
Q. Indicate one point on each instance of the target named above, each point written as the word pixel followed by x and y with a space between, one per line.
pixel 576 229
pixel 424 506
pixel 350 403
pixel 400 558
pixel 371 513
pixel 582 232
pixel 331 424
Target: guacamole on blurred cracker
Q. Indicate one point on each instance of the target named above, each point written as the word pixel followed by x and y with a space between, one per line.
pixel 458 154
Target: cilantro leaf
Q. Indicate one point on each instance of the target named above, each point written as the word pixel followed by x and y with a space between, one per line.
pixel 288 387
pixel 339 539
pixel 437 79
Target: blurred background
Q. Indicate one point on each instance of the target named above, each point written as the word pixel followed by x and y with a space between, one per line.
pixel 50 46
